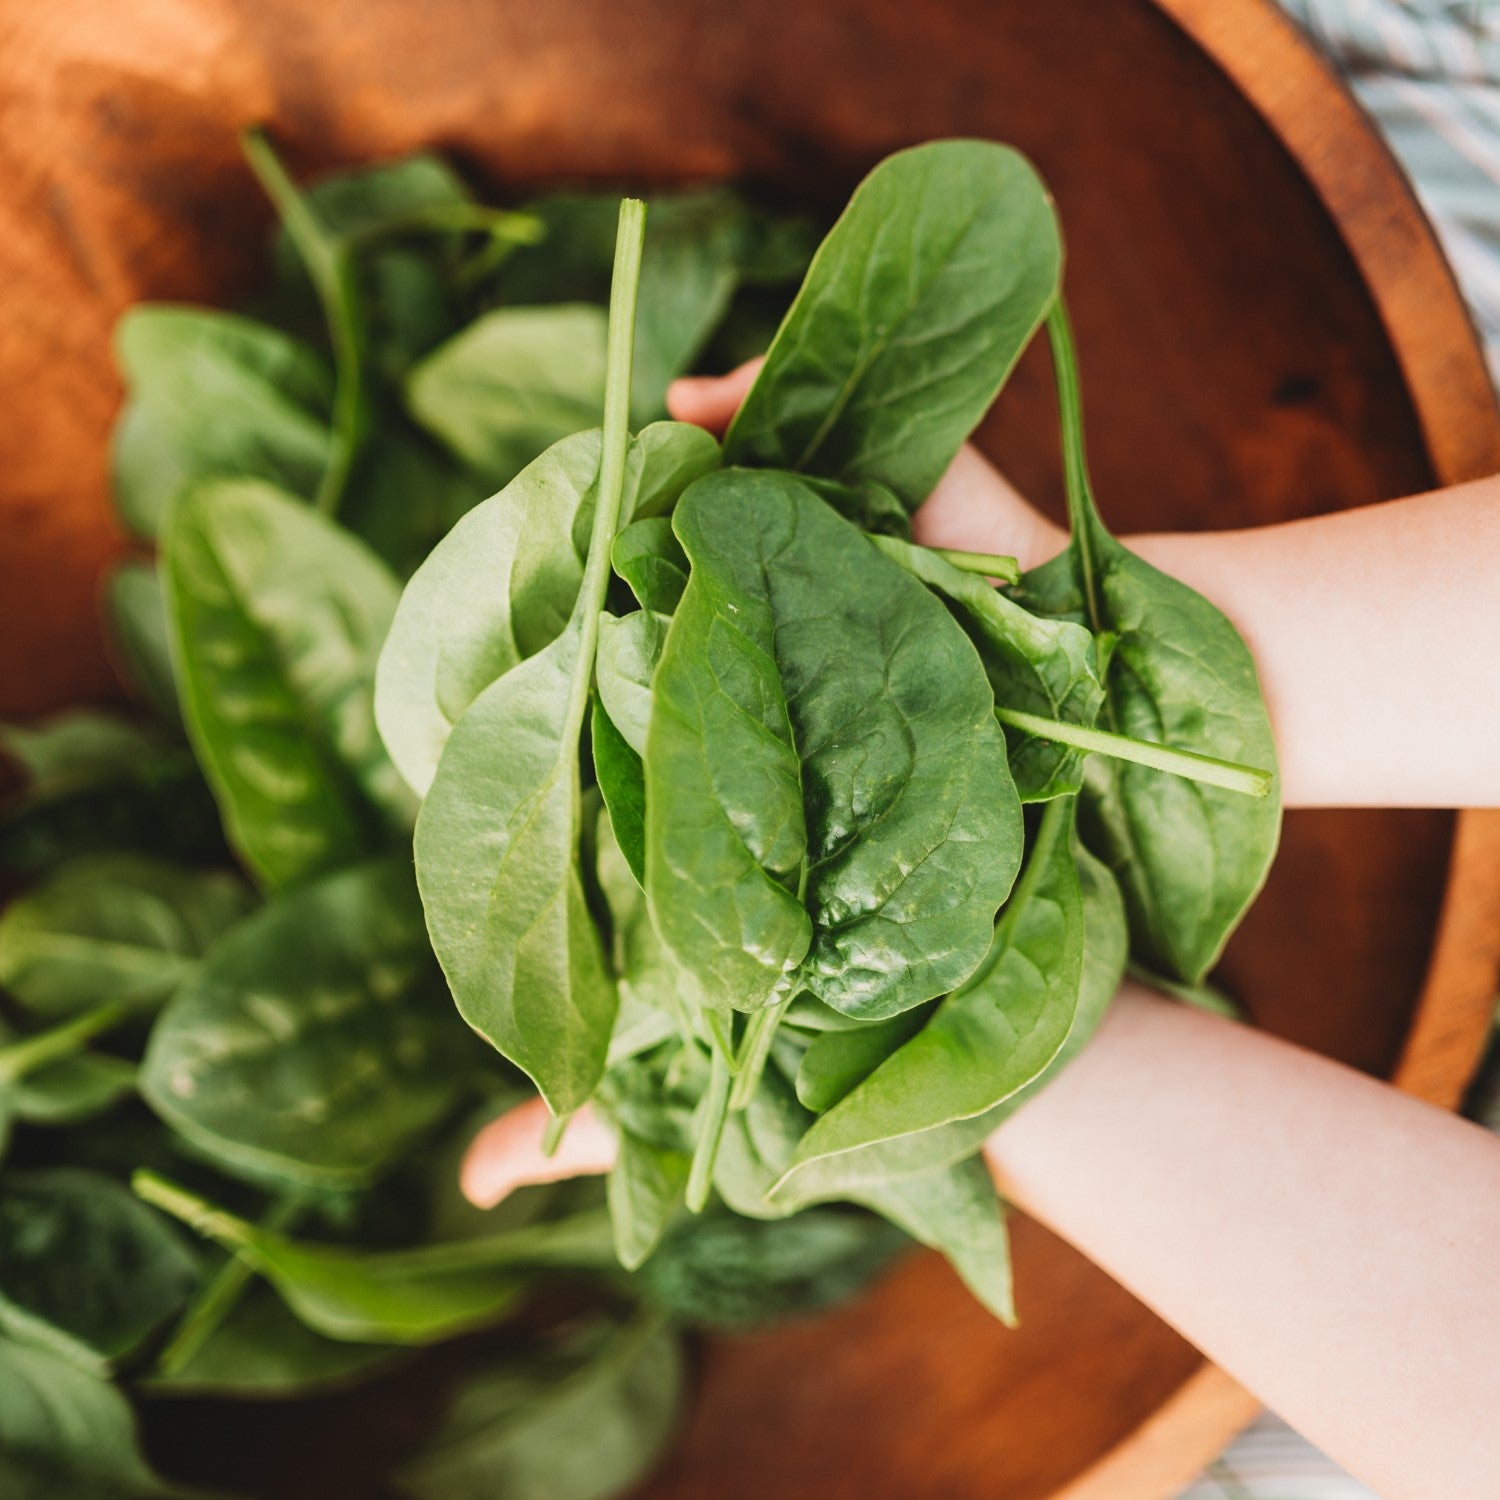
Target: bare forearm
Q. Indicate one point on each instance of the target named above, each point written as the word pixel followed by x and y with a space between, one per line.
pixel 1329 1242
pixel 1377 636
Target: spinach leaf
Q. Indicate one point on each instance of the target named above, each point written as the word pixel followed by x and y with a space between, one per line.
pixel 419 1296
pixel 113 927
pixel 722 1271
pixel 497 839
pixel 622 782
pixel 914 312
pixel 502 584
pixel 652 1007
pixel 648 556
pixel 67 1435
pixel 94 782
pixel 330 265
pixel 137 631
pixel 1041 666
pixel 955 1210
pixel 213 395
pixel 314 1043
pixel 1189 857
pixel 66 1092
pixel 277 616
pixel 585 1421
pixel 496 590
pixel 646 1187
pixel 262 1352
pixel 991 1036
pixel 849 1173
pixel 836 1061
pixel 629 648
pixel 828 802
pixel 512 383
pixel 86 1270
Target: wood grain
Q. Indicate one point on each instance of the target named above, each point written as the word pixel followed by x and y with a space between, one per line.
pixel 1267 330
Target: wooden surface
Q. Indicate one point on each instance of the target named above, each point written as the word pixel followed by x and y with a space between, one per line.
pixel 1266 331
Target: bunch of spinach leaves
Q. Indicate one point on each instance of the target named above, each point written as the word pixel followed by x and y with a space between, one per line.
pixel 216 982
pixel 802 852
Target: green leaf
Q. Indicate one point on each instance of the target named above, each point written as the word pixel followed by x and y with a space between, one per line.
pixel 828 803
pixel 956 1211
pixel 315 1043
pixel 262 1352
pixel 646 1187
pixel 277 618
pixel 629 649
pixel 648 556
pixel 66 1435
pixel 511 384
pixel 1041 666
pixel 497 839
pixel 1189 858
pixel 835 1061
pixel 86 1270
pixel 136 613
pixel 586 1421
pixel 406 493
pixel 913 313
pixel 420 1296
pixel 496 590
pixel 622 782
pixel 96 782
pixel 213 395
pixel 727 1272
pixel 987 1040
pixel 502 584
pixel 70 1091
pixel 113 927
pixel 651 1003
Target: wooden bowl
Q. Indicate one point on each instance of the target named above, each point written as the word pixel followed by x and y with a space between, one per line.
pixel 1267 330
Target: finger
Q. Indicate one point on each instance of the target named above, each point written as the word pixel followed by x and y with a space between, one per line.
pixel 711 400
pixel 508 1153
pixel 976 509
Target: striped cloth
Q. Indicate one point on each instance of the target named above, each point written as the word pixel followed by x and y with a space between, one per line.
pixel 1428 73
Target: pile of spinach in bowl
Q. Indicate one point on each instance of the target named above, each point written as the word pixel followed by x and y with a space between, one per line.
pixel 800 853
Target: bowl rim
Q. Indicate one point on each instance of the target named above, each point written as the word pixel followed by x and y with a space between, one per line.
pixel 1375 210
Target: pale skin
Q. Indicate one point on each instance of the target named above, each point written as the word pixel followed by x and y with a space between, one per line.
pixel 1328 1241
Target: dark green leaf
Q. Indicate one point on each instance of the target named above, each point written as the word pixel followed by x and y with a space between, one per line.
pixel 622 782
pixel 988 1039
pixel 1189 858
pixel 584 1422
pixel 648 556
pixel 646 1186
pixel 315 1042
pixel 137 619
pixel 417 1296
pixel 113 927
pixel 277 619
pixel 66 1435
pixel 86 1270
pixel 727 1272
pixel 914 311
pixel 96 782
pixel 1041 666
pixel 828 803
pixel 261 1352
pixel 629 649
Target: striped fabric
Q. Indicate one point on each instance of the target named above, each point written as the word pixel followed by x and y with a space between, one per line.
pixel 1428 73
